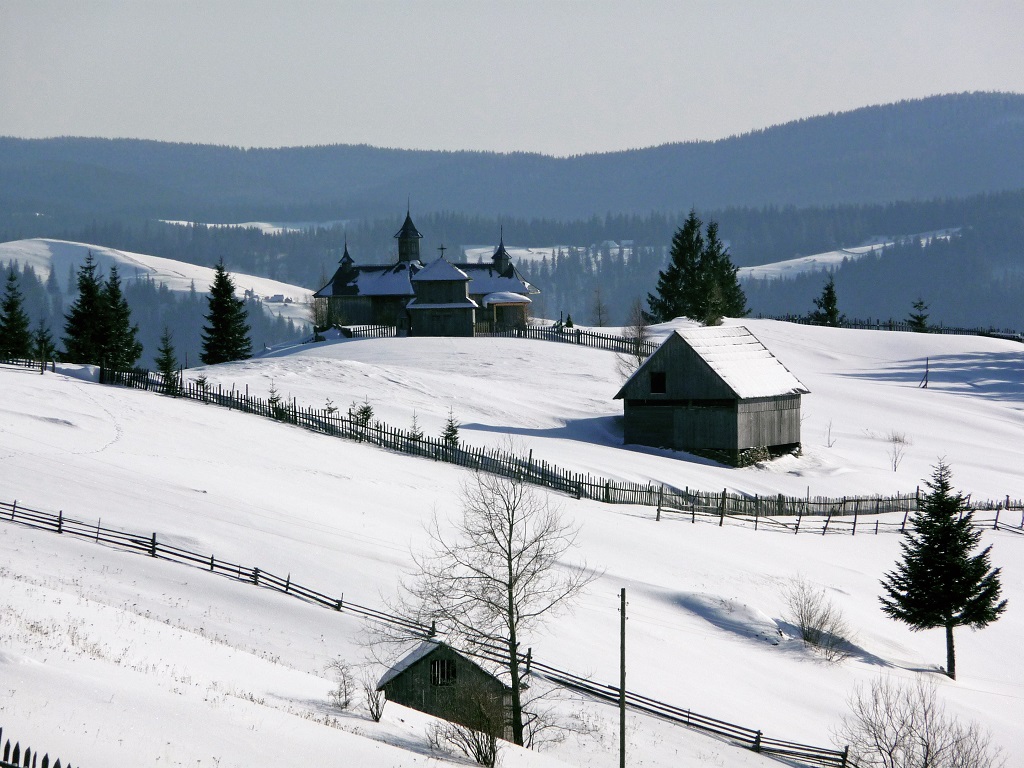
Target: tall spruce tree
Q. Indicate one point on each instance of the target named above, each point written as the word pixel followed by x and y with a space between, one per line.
pixel 226 335
pixel 722 294
pixel 678 288
pixel 15 336
pixel 939 583
pixel 827 306
pixel 83 323
pixel 700 281
pixel 119 343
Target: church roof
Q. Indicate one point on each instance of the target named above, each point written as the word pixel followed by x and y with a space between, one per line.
pixel 441 270
pixel 408 229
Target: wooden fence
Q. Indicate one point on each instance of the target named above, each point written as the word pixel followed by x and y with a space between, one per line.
pixel 901 325
pixel 538 472
pixel 16 757
pixel 149 545
pixel 579 336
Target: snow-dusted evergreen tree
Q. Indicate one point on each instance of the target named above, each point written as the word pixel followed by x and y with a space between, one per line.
pixel 167 364
pixel 226 335
pixel 415 433
pixel 450 434
pixel 43 348
pixel 15 336
pixel 940 583
pixel 84 326
pixel 827 306
pixel 918 320
pixel 119 343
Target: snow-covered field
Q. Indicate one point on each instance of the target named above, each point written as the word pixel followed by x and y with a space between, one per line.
pixel 113 658
pixel 63 258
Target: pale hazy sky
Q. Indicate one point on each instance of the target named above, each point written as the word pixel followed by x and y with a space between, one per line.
pixel 560 76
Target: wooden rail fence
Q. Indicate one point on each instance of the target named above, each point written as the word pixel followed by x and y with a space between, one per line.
pixel 16 757
pixel 535 471
pixel 902 325
pixel 151 546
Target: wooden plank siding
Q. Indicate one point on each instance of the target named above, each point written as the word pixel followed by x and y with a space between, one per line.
pixel 768 421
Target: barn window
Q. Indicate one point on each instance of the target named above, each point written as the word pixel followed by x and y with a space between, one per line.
pixel 442 672
pixel 658 383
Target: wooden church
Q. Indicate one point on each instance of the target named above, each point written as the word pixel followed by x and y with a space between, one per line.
pixel 715 389
pixel 439 298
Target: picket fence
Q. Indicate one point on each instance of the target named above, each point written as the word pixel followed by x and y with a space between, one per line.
pixel 534 471
pixel 16 757
pixel 150 545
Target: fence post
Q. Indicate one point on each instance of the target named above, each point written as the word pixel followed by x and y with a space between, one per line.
pixel 757 742
pixel 995 525
pixel 211 563
pixel 152 546
pixel 846 756
pixel 854 521
pixel 721 516
pixel 256 576
pixel 60 521
pixel 14 508
pixel 288 584
pixel 661 495
pixel 340 603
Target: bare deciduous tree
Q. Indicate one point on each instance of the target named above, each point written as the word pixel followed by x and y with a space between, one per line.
pixel 374 699
pixel 341 695
pixel 890 725
pixel 497 574
pixel 898 444
pixel 820 622
pixel 636 335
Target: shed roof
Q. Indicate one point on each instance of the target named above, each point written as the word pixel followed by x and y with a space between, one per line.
pixel 738 358
pixel 421 651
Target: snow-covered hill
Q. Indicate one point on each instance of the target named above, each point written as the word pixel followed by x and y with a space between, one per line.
pixel 63 258
pixel 114 658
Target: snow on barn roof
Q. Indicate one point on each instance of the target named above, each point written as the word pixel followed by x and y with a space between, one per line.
pixel 417 653
pixel 742 361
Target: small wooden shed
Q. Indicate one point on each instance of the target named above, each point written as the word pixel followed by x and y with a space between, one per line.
pixel 436 679
pixel 713 390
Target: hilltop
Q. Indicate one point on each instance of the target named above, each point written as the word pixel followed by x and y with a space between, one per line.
pixel 119 658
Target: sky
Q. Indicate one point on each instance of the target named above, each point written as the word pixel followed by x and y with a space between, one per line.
pixel 559 77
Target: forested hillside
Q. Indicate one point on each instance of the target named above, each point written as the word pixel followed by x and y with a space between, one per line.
pixel 944 146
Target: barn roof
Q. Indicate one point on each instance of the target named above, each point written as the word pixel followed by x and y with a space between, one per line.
pixel 421 651
pixel 739 359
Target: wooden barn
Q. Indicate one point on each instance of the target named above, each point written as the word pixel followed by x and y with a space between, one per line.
pixel 714 390
pixel 436 679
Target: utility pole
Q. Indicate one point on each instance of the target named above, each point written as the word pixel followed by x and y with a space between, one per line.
pixel 622 679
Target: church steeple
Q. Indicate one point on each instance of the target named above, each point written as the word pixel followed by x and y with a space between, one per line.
pixel 501 258
pixel 408 240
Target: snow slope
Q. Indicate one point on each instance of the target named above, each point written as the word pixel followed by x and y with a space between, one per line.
pixel 62 257
pixel 113 658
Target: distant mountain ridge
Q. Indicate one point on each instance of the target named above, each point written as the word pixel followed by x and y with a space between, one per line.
pixel 942 146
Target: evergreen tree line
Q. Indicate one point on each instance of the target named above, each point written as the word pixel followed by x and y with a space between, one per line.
pixel 152 308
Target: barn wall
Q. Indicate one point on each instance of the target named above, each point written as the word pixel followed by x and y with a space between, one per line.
pixel 683 426
pixel 473 696
pixel 687 375
pixel 769 421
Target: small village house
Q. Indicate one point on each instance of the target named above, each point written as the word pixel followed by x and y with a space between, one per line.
pixel 436 679
pixel 713 390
